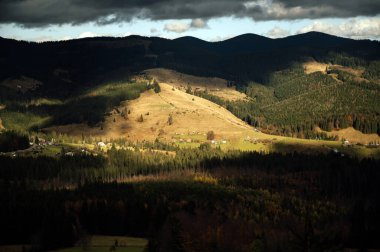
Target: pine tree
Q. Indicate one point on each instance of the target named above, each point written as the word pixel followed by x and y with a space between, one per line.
pixel 170 119
pixel 210 135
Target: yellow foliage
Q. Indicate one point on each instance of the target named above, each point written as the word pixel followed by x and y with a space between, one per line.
pixel 207 179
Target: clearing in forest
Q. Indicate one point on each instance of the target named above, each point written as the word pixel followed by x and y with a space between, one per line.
pixel 214 85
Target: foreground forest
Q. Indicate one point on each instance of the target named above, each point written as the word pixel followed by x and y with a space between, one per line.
pixel 204 199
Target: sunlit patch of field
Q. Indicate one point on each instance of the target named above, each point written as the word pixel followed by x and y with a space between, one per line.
pixel 108 243
pixel 21 121
pixel 246 145
pixel 51 151
pixel 259 142
pixel 106 90
pixel 352 135
pixel 44 101
pixel 314 66
pixel 215 86
pixel 268 143
pixel 24 121
pixel 360 151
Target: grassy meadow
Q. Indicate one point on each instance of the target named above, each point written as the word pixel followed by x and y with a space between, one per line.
pixel 107 243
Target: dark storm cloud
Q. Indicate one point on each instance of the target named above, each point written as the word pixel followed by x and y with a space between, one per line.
pixel 343 7
pixel 45 12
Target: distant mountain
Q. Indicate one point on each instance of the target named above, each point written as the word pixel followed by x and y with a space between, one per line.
pixel 64 66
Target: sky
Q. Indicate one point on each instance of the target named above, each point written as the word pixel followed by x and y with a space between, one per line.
pixel 211 20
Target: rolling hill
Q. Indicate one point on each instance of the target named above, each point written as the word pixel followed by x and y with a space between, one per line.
pixel 190 116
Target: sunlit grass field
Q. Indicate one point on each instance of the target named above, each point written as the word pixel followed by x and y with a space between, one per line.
pixel 94 243
pixel 105 243
pixel 22 121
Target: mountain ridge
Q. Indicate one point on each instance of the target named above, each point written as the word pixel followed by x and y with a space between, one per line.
pixel 241 59
pixel 243 35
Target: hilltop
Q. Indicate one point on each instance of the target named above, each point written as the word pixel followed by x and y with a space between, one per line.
pixel 191 115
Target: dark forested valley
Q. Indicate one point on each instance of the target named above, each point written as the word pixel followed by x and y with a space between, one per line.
pixel 200 200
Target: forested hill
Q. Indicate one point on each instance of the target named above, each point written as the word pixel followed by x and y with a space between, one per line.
pixel 64 66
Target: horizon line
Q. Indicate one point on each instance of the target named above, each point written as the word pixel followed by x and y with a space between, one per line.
pixel 193 37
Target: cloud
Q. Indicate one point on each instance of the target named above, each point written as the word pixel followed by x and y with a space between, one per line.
pixel 346 8
pixel 277 32
pixel 268 10
pixel 90 34
pixel 357 28
pixel 221 38
pixel 41 39
pixel 87 34
pixel 178 27
pixel 198 23
pixel 181 27
pixel 39 13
